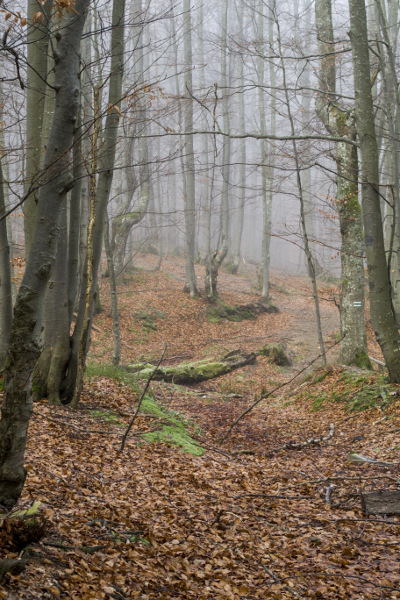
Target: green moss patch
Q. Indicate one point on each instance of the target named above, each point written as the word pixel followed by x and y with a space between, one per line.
pixel 176 436
pixel 276 352
pixel 356 390
pixel 173 429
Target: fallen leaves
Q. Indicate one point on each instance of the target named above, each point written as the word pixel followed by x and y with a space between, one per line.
pixel 156 523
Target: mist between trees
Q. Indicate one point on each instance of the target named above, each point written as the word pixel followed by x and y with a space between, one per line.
pixel 223 132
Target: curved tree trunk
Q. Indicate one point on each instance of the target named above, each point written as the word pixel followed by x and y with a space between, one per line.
pixel 23 348
pixel 310 263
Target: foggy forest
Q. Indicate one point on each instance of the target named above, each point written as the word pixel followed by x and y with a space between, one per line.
pixel 199 299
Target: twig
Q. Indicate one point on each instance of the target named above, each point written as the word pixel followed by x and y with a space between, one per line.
pixel 309 442
pixel 88 549
pixel 278 387
pixel 124 437
pixel 328 494
pixel 378 362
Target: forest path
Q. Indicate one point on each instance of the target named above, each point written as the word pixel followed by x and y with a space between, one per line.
pixel 292 294
pixel 252 517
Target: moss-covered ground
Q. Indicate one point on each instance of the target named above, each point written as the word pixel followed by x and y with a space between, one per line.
pixel 354 389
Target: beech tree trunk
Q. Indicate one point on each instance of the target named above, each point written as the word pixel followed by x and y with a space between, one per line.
pixel 189 175
pixel 391 110
pixel 5 279
pixel 205 199
pixel 382 315
pixel 339 121
pixel 81 335
pixel 266 195
pixel 236 241
pixel 23 349
pixel 215 260
pixel 37 41
pixel 123 223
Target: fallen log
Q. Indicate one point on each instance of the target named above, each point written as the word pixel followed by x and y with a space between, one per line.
pixel 381 502
pixel 194 372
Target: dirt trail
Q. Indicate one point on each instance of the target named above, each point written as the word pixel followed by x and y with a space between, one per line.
pixel 293 296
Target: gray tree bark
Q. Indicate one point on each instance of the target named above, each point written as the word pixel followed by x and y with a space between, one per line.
pixel 5 279
pixel 216 259
pixel 81 335
pixel 236 242
pixel 23 347
pixel 123 223
pixel 189 175
pixel 37 41
pixel 266 189
pixel 113 293
pixel 339 121
pixel 205 204
pixel 391 109
pixel 382 316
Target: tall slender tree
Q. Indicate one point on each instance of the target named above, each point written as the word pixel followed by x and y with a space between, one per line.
pixel 339 121
pixel 217 257
pixel 189 174
pixel 382 315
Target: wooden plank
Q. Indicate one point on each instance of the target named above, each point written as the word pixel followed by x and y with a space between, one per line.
pixel 381 502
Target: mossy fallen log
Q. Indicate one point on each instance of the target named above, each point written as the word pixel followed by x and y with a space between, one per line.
pixel 194 372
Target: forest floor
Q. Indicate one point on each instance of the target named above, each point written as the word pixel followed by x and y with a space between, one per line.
pixel 264 514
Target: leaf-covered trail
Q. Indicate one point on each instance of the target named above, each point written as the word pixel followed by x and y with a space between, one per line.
pixel 242 521
pixel 156 523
